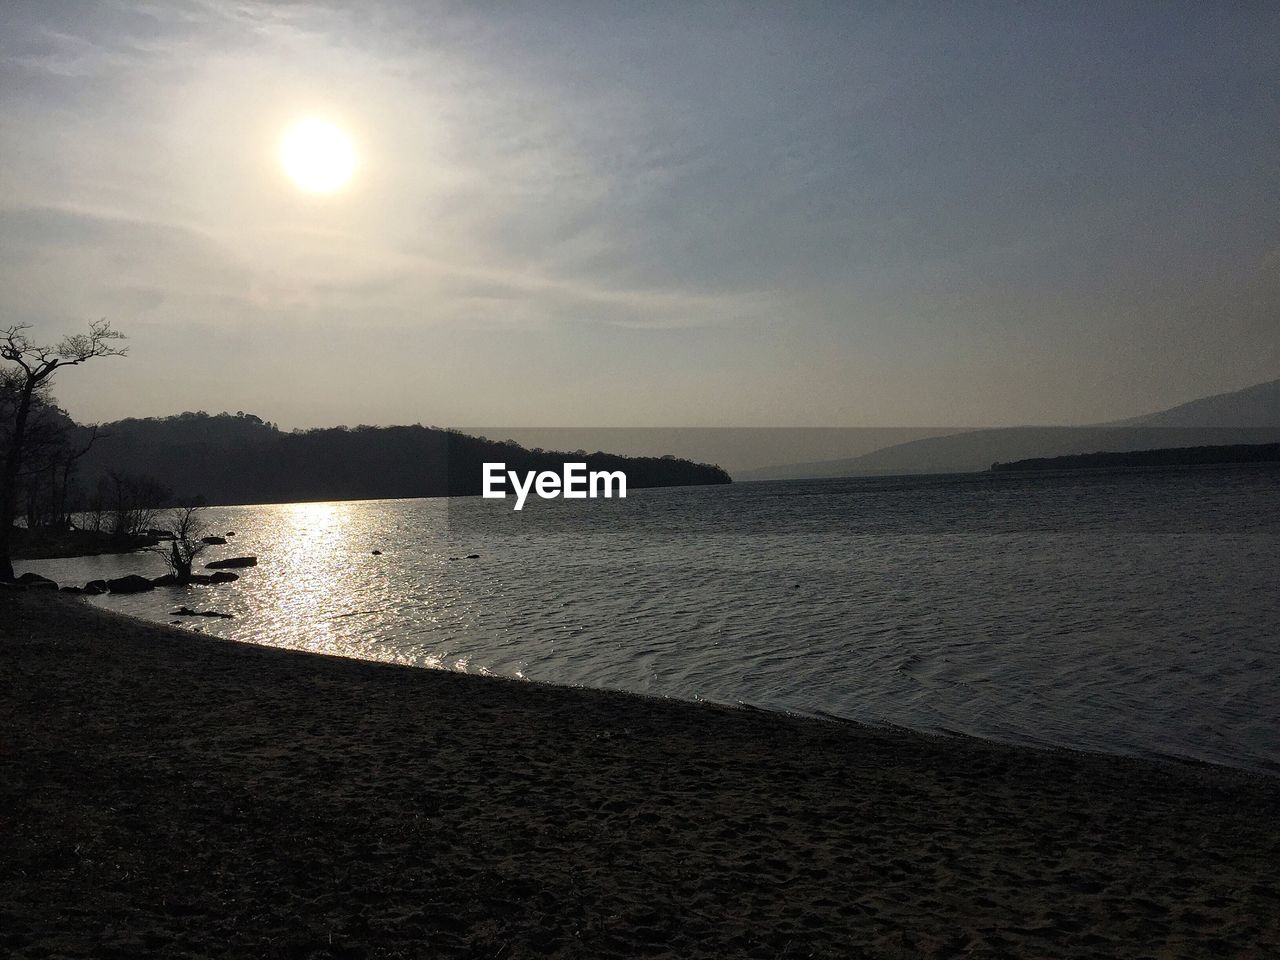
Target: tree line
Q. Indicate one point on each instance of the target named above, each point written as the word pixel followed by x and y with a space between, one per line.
pixel 1161 457
pixel 240 458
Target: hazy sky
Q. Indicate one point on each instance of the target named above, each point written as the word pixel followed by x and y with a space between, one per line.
pixel 663 214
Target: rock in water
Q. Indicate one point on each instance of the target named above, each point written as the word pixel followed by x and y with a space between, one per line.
pixel 213 541
pixel 33 581
pixel 232 562
pixel 188 612
pixel 130 584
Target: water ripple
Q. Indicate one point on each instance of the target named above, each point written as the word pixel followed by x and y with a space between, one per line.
pixel 1127 612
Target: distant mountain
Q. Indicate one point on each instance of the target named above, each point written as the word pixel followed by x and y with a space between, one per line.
pixel 738 449
pixel 1256 406
pixel 1246 416
pixel 240 458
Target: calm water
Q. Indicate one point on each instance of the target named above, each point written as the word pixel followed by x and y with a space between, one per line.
pixel 1134 613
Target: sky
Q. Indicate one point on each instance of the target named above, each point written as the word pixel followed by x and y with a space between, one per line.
pixel 591 214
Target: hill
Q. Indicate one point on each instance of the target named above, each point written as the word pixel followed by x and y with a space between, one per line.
pixel 1256 406
pixel 240 458
pixel 1249 416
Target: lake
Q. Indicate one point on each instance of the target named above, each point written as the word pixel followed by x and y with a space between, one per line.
pixel 1133 612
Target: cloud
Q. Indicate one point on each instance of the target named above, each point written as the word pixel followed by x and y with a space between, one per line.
pixel 845 191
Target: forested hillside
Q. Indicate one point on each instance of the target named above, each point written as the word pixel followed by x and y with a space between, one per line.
pixel 239 458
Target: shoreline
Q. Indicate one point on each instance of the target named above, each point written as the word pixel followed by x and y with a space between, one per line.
pixel 819 716
pixel 1173 761
pixel 177 794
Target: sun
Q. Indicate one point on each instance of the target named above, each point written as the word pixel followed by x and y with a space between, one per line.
pixel 317 156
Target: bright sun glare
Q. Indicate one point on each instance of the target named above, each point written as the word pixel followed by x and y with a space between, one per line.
pixel 317 156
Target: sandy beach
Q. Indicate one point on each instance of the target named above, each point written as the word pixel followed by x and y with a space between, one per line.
pixel 166 794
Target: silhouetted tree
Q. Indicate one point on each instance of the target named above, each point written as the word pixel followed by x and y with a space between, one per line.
pixel 187 529
pixel 51 447
pixel 134 502
pixel 34 368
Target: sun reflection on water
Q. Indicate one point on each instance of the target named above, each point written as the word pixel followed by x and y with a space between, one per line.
pixel 320 558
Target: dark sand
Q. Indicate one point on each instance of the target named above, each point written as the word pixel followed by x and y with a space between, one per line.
pixel 165 794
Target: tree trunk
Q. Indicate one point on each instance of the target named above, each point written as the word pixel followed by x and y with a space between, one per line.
pixel 9 480
pixel 181 564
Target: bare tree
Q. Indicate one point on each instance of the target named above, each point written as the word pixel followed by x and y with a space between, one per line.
pixel 179 553
pixel 36 365
pixel 45 440
pixel 134 503
pixel 94 515
pixel 49 469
